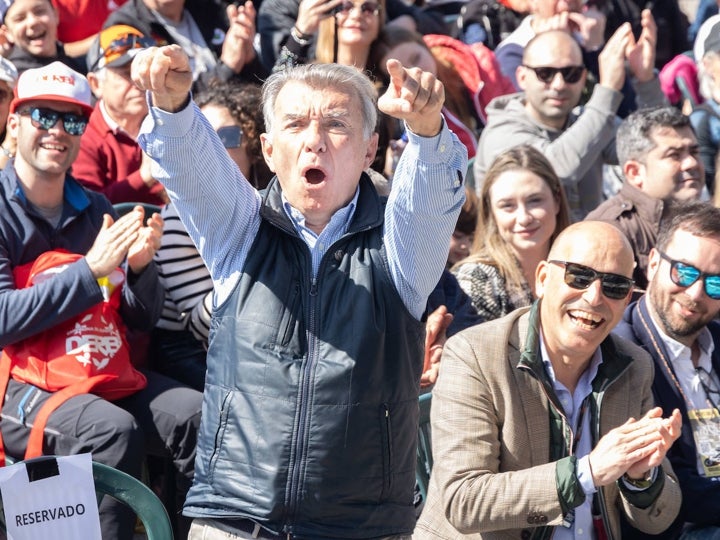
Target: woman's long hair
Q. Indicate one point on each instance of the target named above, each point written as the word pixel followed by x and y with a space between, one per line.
pixel 325 48
pixel 489 247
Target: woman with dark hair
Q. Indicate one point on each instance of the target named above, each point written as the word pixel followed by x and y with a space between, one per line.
pixel 522 210
pixel 470 74
pixel 179 341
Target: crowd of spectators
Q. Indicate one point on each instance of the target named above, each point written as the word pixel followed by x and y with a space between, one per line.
pixel 569 111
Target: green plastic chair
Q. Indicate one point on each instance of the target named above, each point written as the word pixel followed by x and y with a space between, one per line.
pixel 424 450
pixel 128 490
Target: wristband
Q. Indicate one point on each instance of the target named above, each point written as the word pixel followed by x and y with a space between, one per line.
pixel 297 35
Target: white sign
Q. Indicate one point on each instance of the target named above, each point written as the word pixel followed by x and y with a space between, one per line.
pixel 59 503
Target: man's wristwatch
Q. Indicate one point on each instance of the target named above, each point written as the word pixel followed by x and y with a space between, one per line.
pixel 640 483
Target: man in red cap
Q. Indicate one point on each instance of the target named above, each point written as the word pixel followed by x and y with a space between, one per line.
pixel 110 159
pixel 42 209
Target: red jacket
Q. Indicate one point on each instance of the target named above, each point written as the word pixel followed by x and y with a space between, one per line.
pixel 109 162
pixel 479 70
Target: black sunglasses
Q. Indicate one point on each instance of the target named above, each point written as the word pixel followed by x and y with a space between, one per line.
pixel 581 277
pixel 230 136
pixel 42 118
pixel 685 275
pixel 570 74
pixel 366 8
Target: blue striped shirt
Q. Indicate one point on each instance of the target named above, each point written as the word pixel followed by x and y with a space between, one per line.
pixel 221 211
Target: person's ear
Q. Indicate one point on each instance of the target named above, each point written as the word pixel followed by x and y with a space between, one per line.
pixel 521 74
pixel 371 150
pixel 267 150
pixel 634 173
pixel 13 122
pixel 94 82
pixel 541 276
pixel 653 264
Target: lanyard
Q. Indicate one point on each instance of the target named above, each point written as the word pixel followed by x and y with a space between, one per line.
pixel 668 368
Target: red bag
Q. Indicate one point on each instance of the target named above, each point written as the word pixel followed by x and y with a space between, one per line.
pixel 85 354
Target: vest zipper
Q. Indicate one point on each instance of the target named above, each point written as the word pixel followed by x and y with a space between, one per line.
pixel 299 450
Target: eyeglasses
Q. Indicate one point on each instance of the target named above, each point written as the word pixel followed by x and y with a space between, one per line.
pixel 230 136
pixel 120 46
pixel 581 277
pixel 570 74
pixel 74 124
pixel 366 8
pixel 685 275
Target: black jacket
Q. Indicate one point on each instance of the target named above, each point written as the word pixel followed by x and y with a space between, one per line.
pixel 701 495
pixel 311 396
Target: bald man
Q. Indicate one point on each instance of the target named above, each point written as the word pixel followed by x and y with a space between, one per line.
pixel 552 78
pixel 542 419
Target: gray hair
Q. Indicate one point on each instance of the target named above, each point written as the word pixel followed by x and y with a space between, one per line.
pixel 706 84
pixel 320 76
pixel 633 139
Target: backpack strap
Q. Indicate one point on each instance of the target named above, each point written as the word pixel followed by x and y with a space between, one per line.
pixel 35 441
pixel 5 364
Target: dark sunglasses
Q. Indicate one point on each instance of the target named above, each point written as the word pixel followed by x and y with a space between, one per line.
pixel 366 8
pixel 570 74
pixel 685 275
pixel 74 124
pixel 581 277
pixel 230 136
pixel 120 46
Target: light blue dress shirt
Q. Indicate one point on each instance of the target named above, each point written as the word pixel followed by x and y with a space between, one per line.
pixel 221 210
pixel 582 526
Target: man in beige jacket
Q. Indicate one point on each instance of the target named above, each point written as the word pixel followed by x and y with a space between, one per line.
pixel 543 423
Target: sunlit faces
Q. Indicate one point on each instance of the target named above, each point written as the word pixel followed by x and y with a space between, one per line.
pixel 220 117
pixel 411 54
pixel 6 94
pixel 683 311
pixel 122 98
pixel 50 152
pixel 460 244
pixel 525 211
pixel 317 149
pixel 551 103
pixel 358 26
pixel 32 26
pixel 575 321
pixel 672 170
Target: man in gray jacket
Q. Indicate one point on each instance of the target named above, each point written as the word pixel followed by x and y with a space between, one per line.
pixel 552 77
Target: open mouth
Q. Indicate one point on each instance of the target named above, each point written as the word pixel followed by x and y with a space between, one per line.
pixel 314 176
pixel 585 320
pixel 53 147
pixel 36 37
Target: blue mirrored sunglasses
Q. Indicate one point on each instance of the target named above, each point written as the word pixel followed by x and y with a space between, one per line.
pixel 685 275
pixel 42 118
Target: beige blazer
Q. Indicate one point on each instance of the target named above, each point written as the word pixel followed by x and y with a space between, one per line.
pixel 491 477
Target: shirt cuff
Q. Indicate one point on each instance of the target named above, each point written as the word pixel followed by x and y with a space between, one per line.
pixel 173 124
pixel 585 476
